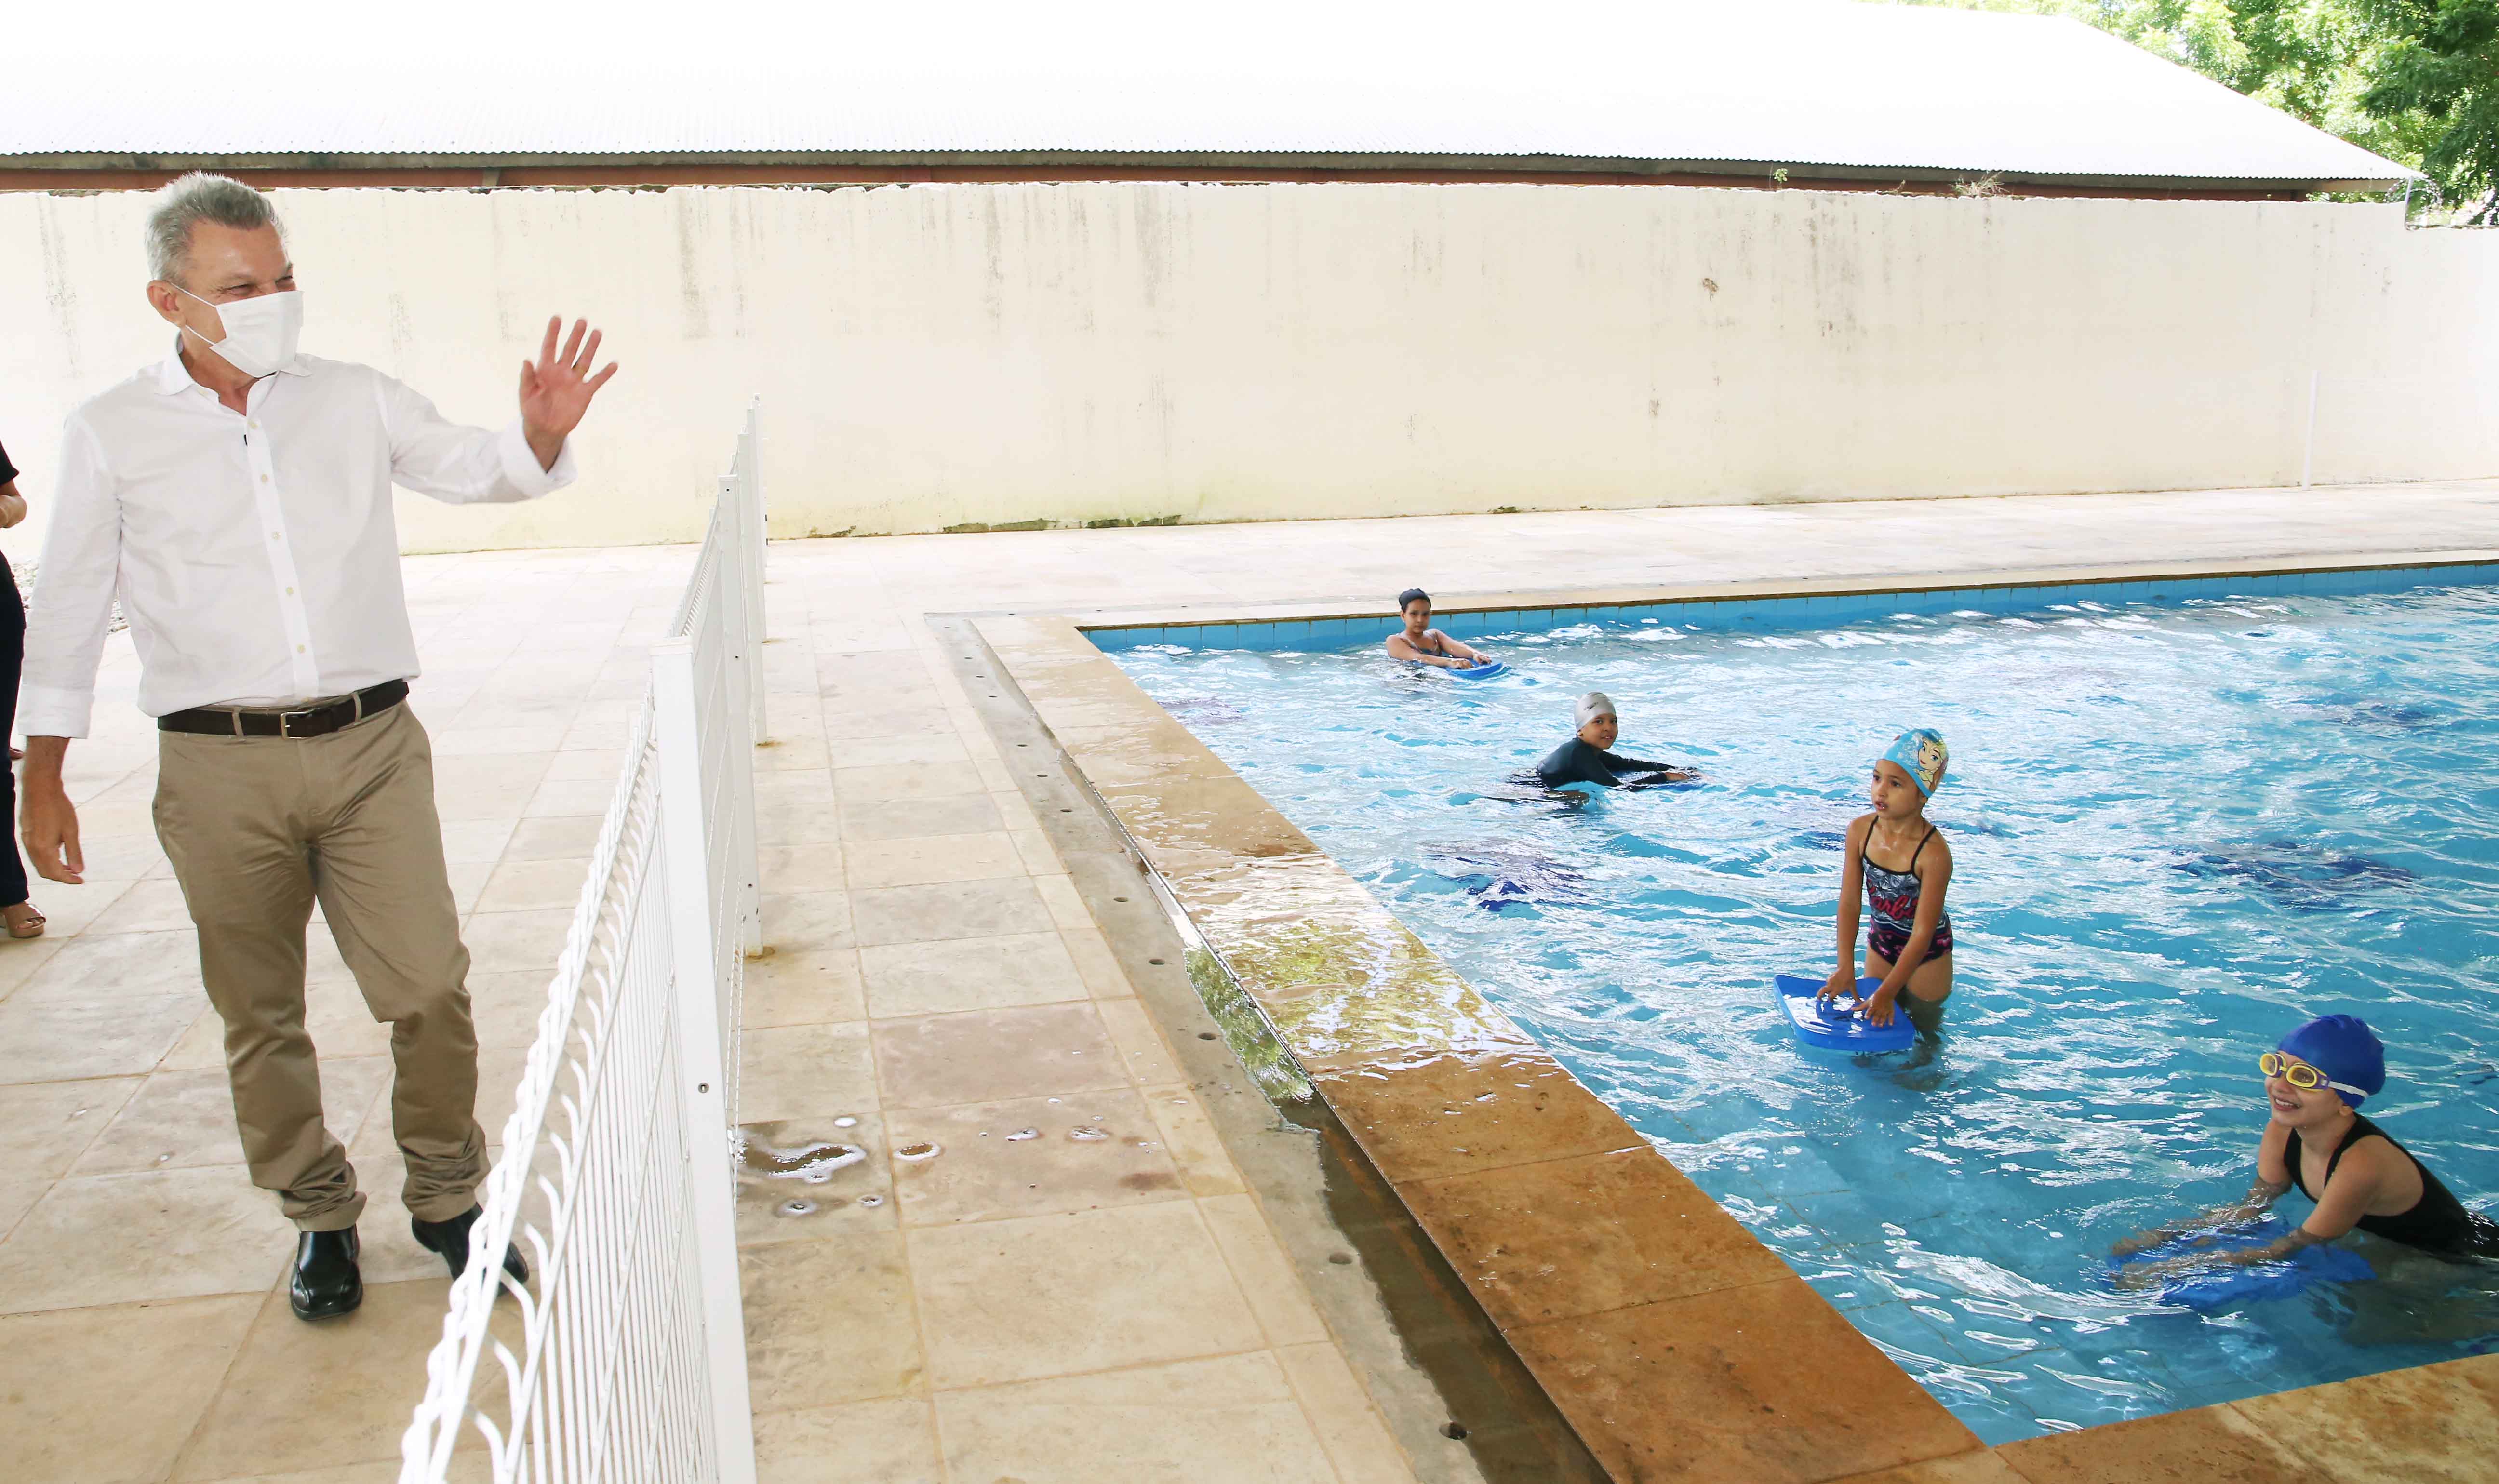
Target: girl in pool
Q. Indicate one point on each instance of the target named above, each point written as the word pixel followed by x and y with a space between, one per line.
pixel 1423 644
pixel 1903 866
pixel 2315 1080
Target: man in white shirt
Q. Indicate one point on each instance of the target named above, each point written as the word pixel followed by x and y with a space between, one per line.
pixel 236 496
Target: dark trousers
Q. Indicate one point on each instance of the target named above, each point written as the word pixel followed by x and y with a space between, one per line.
pixel 13 658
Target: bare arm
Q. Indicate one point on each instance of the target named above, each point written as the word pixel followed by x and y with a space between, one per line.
pixel 12 506
pixel 1401 647
pixel 1852 897
pixel 2248 1207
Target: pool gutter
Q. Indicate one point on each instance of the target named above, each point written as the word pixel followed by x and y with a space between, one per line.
pixel 1673 1341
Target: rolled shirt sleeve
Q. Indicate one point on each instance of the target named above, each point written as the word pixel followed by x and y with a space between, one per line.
pixel 73 600
pixel 461 465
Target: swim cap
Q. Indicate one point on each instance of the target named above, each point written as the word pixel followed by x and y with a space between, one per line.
pixel 1919 752
pixel 1594 704
pixel 2344 1049
pixel 1406 600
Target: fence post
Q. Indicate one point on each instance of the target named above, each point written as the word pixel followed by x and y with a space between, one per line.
pixel 751 559
pixel 712 1194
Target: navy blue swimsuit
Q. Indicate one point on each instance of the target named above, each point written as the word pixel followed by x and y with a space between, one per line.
pixel 1894 896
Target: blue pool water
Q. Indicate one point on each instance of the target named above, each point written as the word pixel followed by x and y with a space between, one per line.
pixel 2181 829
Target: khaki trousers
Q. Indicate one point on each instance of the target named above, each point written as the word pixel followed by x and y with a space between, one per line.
pixel 258 828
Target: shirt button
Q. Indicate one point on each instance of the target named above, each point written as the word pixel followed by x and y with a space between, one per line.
pixel 299 649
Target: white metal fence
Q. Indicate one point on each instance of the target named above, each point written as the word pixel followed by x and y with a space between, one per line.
pixel 624 1357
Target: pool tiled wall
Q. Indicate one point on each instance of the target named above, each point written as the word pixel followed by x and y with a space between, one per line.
pixel 1797 611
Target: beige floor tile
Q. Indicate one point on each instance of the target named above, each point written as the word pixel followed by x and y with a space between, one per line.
pixel 1015 812
pixel 857 1197
pixel 121 1238
pixel 1141 1046
pixel 1231 1420
pixel 994 1055
pixel 45 1126
pixel 814 823
pixel 917 979
pixel 21 958
pixel 962 909
pixel 495 741
pixel 606 764
pixel 1349 1428
pixel 968 814
pixel 570 838
pixel 805 1071
pixel 94 965
pixel 1194 1145
pixel 147 906
pixel 1033 848
pixel 561 797
pixel 902 781
pixel 788 868
pixel 1274 1290
pixel 1103 976
pixel 1059 894
pixel 67 1040
pixel 806 922
pixel 507 942
pixel 803 989
pixel 308 1396
pixel 885 751
pixel 1033 1156
pixel 108 1395
pixel 1012 1301
pixel 476 842
pixel 887 1441
pixel 73 910
pixel 829 1321
pixel 506 1006
pixel 181 1120
pixel 525 885
pixel 843 723
pixel 928 858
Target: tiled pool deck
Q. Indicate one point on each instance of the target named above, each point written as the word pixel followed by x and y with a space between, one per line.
pixel 940 971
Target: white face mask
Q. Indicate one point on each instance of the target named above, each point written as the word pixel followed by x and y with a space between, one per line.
pixel 260 331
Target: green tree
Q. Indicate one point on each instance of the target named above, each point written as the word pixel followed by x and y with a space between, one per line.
pixel 2415 81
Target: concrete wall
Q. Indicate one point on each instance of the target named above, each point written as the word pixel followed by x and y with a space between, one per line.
pixel 944 355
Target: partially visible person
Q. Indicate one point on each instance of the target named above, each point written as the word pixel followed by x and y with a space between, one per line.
pixel 1425 644
pixel 236 498
pixel 1588 758
pixel 2316 1138
pixel 1909 944
pixel 17 910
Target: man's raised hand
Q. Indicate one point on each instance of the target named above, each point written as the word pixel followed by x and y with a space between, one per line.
pixel 556 389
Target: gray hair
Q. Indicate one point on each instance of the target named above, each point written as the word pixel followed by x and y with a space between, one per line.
pixel 193 198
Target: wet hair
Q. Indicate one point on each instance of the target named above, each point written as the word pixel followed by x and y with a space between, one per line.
pixel 193 198
pixel 1406 600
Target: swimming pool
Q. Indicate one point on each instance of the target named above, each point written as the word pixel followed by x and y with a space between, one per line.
pixel 2182 826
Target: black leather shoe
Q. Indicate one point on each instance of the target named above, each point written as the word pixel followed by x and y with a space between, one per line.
pixel 326 1283
pixel 450 1240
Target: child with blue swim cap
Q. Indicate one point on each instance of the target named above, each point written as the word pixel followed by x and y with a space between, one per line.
pixel 2315 1081
pixel 1909 944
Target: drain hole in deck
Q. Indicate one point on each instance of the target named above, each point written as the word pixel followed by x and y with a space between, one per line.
pixel 1453 1430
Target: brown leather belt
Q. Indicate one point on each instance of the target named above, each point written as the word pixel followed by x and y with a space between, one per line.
pixel 310 722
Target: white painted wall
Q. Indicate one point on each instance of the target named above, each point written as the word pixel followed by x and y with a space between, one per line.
pixel 937 355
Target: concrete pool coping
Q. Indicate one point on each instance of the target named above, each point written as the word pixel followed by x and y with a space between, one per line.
pixel 1672 1341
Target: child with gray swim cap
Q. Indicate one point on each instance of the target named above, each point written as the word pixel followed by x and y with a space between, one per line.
pixel 1586 757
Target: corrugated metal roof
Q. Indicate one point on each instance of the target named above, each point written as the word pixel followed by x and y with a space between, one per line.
pixel 1780 82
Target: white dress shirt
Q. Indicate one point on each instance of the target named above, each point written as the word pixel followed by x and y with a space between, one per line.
pixel 255 553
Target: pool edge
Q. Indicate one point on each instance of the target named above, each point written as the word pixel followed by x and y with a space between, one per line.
pixel 1565 1221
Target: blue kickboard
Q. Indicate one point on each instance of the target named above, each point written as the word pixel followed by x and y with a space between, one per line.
pixel 2226 1286
pixel 1479 671
pixel 1834 1026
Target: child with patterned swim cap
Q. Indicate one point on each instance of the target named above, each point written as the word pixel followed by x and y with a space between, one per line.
pixel 2315 1081
pixel 1901 866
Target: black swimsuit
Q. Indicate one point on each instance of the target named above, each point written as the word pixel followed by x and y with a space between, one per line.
pixel 1576 761
pixel 2438 1221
